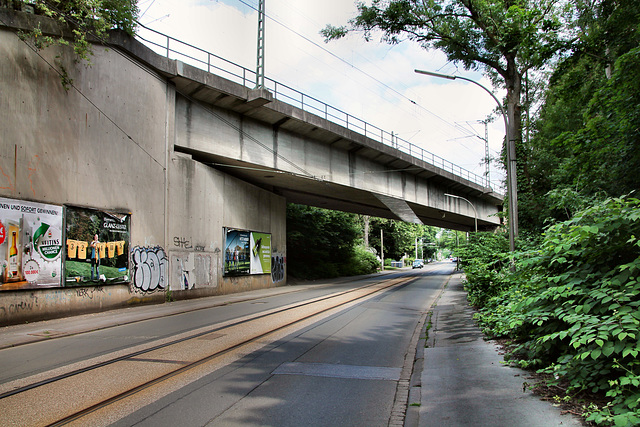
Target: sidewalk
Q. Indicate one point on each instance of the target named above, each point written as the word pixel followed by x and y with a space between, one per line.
pixel 464 383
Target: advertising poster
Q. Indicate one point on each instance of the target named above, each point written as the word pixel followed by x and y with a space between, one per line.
pixel 236 252
pixel 260 253
pixel 30 245
pixel 97 246
pixel 246 252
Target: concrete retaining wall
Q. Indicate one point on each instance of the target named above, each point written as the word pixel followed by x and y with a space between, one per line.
pixel 106 142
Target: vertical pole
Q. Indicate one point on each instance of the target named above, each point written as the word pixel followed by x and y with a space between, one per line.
pixel 260 62
pixel 486 151
pixel 382 248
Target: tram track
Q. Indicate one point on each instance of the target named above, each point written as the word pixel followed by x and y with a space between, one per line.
pixel 120 376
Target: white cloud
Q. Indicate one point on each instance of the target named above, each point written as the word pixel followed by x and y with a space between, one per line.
pixel 373 81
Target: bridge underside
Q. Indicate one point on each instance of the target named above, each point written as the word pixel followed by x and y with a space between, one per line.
pixel 328 195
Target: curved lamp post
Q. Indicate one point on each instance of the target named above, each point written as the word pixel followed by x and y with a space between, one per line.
pixel 474 208
pixel 512 187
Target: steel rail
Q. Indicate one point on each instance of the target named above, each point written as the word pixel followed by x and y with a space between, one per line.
pixel 395 283
pixel 383 286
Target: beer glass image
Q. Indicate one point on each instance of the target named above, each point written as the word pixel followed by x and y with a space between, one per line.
pixel 14 258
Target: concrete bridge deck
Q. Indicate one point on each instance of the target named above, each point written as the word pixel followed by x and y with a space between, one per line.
pixel 310 159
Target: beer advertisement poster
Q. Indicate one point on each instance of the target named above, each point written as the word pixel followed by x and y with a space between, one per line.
pixel 97 246
pixel 30 244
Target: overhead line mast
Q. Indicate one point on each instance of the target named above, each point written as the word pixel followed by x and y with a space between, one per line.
pixel 260 62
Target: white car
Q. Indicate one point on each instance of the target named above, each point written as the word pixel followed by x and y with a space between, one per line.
pixel 417 263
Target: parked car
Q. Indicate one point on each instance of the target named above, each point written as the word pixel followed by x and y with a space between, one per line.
pixel 454 259
pixel 418 263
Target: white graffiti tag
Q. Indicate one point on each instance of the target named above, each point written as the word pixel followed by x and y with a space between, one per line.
pixel 149 268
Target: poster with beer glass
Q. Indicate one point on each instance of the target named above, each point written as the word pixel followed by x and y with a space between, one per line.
pixel 30 244
pixel 97 247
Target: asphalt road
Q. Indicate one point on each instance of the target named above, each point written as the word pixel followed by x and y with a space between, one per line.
pixel 340 369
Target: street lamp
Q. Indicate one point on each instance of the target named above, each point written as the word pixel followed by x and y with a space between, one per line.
pixel 474 208
pixel 512 186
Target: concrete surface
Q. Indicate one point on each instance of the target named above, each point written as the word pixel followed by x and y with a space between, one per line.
pixel 459 378
pixel 463 380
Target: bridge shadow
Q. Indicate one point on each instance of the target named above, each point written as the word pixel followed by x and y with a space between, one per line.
pixel 342 370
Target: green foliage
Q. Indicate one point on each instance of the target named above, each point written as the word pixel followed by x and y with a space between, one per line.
pixel 399 237
pixel 585 141
pixel 84 19
pixel 483 259
pixel 321 243
pixel 361 262
pixel 572 305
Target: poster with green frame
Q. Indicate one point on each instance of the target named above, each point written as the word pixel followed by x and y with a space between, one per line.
pixel 30 245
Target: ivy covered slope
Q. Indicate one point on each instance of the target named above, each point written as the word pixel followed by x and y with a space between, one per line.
pixel 572 306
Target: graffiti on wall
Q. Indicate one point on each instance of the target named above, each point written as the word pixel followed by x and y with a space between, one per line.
pixel 27 304
pixel 277 267
pixel 190 269
pixel 149 269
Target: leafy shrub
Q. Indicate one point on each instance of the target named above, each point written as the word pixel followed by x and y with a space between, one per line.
pixel 573 306
pixel 483 259
pixel 362 262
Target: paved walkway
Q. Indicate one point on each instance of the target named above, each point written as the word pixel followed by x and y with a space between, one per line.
pixel 464 383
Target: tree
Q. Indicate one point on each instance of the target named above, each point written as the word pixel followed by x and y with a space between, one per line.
pixel 320 242
pixel 584 140
pixel 399 237
pixel 505 38
pixel 85 19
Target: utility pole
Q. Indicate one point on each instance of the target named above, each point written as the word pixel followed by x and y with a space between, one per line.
pixel 260 62
pixel 366 218
pixel 382 248
pixel 486 150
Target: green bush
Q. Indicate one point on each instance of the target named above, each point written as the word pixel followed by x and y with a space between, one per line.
pixel 572 306
pixel 362 262
pixel 483 259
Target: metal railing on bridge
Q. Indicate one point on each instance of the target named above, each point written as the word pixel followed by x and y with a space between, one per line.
pixel 173 48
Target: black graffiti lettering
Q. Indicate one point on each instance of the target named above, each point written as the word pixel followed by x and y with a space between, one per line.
pixel 89 292
pixel 21 306
pixel 182 242
pixel 277 268
pixel 83 293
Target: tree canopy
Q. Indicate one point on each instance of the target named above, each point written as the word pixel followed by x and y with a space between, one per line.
pixel 504 38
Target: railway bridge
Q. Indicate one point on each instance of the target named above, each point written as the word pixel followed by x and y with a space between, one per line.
pixel 182 169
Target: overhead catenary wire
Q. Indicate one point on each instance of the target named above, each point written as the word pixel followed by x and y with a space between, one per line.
pixel 378 81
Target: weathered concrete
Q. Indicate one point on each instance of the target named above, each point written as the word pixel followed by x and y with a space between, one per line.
pixel 187 153
pixel 107 143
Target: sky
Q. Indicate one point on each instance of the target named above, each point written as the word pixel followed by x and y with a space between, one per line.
pixel 371 81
